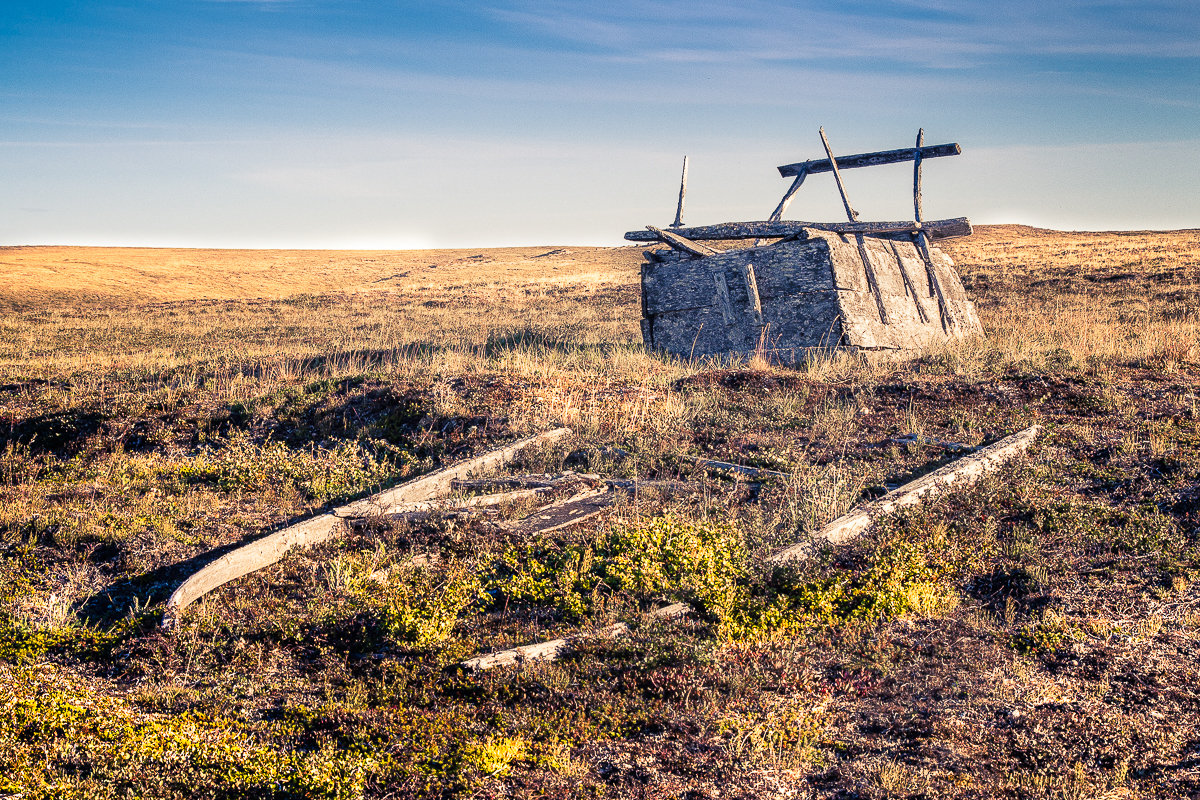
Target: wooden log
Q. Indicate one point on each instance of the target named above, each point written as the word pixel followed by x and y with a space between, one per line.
pixel 678 223
pixel 680 243
pixel 870 159
pixel 786 229
pixel 944 312
pixel 913 438
pixel 547 481
pixel 439 482
pixel 851 214
pixel 957 473
pixel 427 508
pixel 271 548
pixel 551 650
pixel 666 487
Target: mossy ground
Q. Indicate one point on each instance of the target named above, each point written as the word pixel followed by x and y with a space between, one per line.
pixel 1036 635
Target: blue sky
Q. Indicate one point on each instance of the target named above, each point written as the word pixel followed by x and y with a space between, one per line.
pixel 303 123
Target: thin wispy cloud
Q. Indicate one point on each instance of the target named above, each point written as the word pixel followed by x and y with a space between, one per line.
pixel 310 115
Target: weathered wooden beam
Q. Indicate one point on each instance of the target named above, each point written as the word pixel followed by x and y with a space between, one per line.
pixel 269 549
pixel 545 481
pixel 551 650
pixel 944 312
pixel 723 299
pixel 870 159
pixel 957 473
pixel 872 278
pixel 782 229
pixel 564 513
pixel 679 242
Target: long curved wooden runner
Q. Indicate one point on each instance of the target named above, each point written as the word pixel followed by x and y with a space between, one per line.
pixel 269 549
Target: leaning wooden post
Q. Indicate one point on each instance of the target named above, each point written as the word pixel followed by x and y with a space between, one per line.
pixel 868 267
pixel 922 239
pixel 851 214
pixel 678 223
pixel 777 214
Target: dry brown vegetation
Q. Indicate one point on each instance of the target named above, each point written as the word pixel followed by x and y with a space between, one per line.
pixel 1036 636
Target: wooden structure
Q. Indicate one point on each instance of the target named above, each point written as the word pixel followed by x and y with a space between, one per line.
pixel 872 286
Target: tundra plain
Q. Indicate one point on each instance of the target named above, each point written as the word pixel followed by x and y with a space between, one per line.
pixel 1034 636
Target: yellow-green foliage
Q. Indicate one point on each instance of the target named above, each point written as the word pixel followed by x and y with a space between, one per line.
pixel 704 562
pixel 418 605
pixel 903 574
pixel 661 557
pixel 24 643
pixel 61 739
pixel 1043 637
pixel 321 473
pixel 495 755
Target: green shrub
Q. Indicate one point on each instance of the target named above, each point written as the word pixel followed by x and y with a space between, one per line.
pixel 417 605
pixel 903 574
pixel 703 562
pixel 663 557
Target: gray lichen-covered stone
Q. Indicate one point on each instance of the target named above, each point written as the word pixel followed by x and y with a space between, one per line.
pixel 826 291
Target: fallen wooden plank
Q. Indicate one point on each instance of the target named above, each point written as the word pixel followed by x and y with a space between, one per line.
pixel 871 159
pixel 454 506
pixel 669 487
pixel 912 438
pixel 564 514
pixel 551 650
pixel 964 470
pixel 768 229
pixel 269 549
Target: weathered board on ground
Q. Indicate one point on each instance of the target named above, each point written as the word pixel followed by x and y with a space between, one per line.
pixel 826 290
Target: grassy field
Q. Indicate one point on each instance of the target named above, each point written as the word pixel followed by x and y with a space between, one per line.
pixel 1035 636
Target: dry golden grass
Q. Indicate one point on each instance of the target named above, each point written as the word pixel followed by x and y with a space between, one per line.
pixel 37 277
pixel 1033 636
pixel 1124 295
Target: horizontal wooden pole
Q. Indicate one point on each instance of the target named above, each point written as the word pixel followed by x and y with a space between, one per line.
pixel 937 229
pixel 870 159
